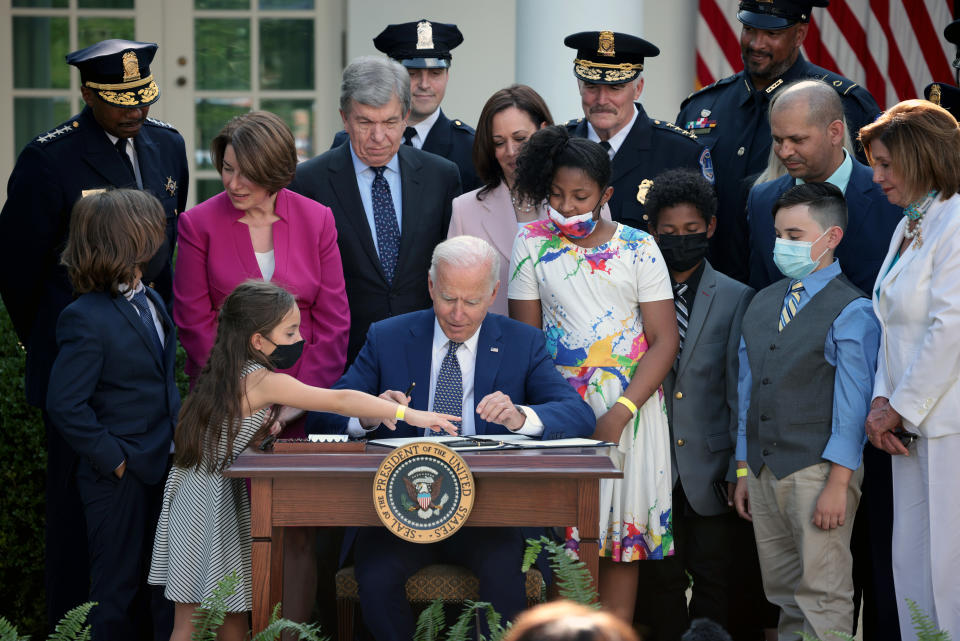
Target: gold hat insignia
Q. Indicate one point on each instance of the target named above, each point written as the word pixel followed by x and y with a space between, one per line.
pixel 131 66
pixel 935 94
pixel 425 35
pixel 642 190
pixel 605 44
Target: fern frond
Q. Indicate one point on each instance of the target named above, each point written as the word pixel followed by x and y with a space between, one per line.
pixel 72 626
pixel 460 630
pixel 430 623
pixel 277 626
pixel 926 629
pixel 572 576
pixel 208 618
pixel 493 621
pixel 531 553
pixel 8 632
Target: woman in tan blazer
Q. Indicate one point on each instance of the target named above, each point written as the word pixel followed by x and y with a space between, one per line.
pixel 914 148
pixel 508 119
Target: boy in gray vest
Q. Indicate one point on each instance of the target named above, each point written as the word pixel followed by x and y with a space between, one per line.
pixel 807 362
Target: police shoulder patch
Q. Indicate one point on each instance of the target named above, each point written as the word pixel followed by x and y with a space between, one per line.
pixel 706 165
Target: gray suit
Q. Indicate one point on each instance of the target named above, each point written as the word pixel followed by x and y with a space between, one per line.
pixel 701 391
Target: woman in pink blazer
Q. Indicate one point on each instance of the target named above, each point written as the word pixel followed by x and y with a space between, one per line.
pixel 257 229
pixel 492 212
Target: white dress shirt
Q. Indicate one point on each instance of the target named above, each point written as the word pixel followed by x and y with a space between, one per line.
pixel 616 140
pixel 131 154
pixel 467 357
pixel 423 129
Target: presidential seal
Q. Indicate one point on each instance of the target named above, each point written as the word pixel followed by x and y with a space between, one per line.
pixel 423 492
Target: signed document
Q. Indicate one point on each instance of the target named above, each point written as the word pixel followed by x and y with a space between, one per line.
pixel 493 442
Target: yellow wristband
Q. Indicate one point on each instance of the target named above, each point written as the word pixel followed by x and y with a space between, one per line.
pixel 626 402
pixel 401 411
pixel 742 472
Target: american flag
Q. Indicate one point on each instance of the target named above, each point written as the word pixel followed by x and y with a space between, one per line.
pixel 894 48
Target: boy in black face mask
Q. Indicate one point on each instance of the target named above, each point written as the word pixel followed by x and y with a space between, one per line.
pixel 701 398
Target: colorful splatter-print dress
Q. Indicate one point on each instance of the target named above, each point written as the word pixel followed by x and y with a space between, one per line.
pixel 593 329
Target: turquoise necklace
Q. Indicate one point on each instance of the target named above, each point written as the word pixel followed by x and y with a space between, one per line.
pixel 915 212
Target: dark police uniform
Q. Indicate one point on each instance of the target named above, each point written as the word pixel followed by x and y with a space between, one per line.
pixel 426 45
pixel 730 117
pixel 651 146
pixel 939 93
pixel 52 172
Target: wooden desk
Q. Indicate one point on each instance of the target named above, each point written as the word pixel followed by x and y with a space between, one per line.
pixel 514 488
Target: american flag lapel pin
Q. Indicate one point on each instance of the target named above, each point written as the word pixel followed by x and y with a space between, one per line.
pixel 495 349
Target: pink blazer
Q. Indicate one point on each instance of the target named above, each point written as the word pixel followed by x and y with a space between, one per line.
pixel 215 254
pixel 494 220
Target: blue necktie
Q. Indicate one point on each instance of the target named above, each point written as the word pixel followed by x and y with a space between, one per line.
pixel 791 304
pixel 448 397
pixel 385 219
pixel 139 301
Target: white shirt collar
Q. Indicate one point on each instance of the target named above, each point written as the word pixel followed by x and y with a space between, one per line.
pixel 617 139
pixel 359 166
pixel 128 293
pixel 424 126
pixel 440 339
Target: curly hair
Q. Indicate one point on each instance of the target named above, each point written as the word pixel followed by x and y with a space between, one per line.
pixel 680 187
pixel 550 149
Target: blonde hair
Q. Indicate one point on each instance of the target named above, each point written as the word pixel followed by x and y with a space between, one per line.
pixel 568 621
pixel 924 143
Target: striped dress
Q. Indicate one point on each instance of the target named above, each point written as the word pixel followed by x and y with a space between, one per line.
pixel 204 529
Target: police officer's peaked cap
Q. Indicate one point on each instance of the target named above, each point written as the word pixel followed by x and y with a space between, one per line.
pixel 419 45
pixel 118 71
pixel 608 57
pixel 771 15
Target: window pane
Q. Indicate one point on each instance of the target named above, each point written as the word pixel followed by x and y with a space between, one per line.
pixel 298 114
pixel 212 115
pixel 91 30
pixel 286 4
pixel 39 46
pixel 222 52
pixel 286 54
pixel 221 4
pixel 208 188
pixel 105 4
pixel 33 116
pixel 57 4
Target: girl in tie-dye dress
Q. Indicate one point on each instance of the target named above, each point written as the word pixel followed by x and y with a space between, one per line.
pixel 601 293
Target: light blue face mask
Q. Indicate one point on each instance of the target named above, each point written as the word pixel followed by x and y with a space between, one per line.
pixel 792 257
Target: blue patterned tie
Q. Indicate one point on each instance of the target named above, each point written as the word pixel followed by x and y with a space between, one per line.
pixel 790 304
pixel 448 397
pixel 139 301
pixel 385 219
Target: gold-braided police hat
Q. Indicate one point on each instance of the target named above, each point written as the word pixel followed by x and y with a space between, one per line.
pixel 609 57
pixel 118 71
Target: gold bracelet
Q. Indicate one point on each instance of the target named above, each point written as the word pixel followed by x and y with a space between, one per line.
pixel 401 411
pixel 742 472
pixel 626 402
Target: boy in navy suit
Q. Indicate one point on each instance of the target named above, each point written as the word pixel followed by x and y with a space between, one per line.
pixel 113 398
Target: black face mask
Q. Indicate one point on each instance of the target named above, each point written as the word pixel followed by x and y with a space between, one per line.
pixel 152 269
pixel 683 252
pixel 285 356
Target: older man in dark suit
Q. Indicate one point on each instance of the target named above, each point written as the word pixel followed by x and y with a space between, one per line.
pixel 391 202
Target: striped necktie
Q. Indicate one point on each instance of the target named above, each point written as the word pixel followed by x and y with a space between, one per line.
pixel 683 314
pixel 448 395
pixel 790 304
pixel 139 301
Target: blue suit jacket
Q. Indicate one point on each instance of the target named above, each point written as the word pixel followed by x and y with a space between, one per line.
pixel 111 395
pixel 870 225
pixel 511 358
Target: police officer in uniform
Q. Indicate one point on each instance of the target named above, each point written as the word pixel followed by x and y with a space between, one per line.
pixel 730 116
pixel 948 96
pixel 608 69
pixel 423 47
pixel 111 143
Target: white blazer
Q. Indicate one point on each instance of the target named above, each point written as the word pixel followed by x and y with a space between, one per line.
pixel 919 310
pixel 494 220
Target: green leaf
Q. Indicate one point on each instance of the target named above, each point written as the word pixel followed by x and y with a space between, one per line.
pixel 926 629
pixel 9 633
pixel 431 622
pixel 71 626
pixel 208 618
pixel 572 576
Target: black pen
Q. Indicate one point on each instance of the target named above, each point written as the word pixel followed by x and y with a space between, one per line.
pixel 410 389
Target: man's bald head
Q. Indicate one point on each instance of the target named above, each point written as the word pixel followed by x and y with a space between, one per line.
pixel 808 130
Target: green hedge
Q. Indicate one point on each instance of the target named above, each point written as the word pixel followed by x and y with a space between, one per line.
pixel 23 457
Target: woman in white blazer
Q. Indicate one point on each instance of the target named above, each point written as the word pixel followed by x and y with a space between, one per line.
pixel 914 149
pixel 509 117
